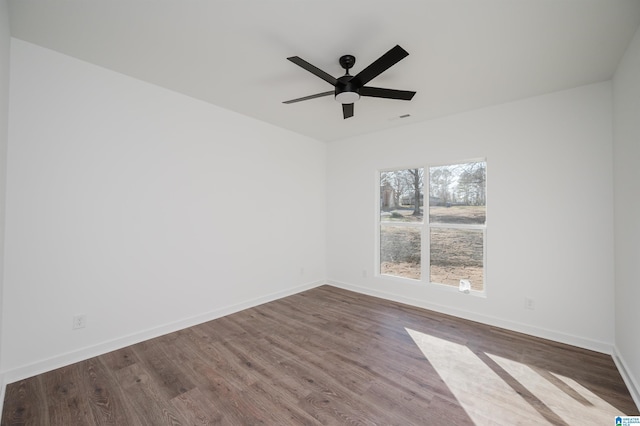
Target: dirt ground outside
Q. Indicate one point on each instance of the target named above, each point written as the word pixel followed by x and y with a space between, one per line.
pixel 401 269
pixel 455 254
pixel 457 214
pixel 448 275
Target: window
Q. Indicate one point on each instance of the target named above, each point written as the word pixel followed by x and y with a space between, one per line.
pixel 457 216
pixel 453 231
pixel 401 222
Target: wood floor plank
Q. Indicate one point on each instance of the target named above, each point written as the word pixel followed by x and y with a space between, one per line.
pixel 106 402
pixel 120 358
pixel 328 356
pixel 25 403
pixel 65 394
pixel 148 405
pixel 161 358
pixel 194 406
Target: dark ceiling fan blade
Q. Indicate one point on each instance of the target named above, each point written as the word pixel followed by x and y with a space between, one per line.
pixel 347 110
pixel 313 70
pixel 306 98
pixel 378 92
pixel 379 66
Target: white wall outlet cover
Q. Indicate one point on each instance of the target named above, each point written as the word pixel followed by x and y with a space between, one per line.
pixel 79 321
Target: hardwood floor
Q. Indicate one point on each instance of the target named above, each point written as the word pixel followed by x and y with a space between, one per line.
pixel 329 356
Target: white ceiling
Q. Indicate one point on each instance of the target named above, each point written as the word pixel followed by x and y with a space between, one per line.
pixel 463 54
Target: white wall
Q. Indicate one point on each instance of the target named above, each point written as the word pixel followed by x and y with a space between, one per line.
pixel 550 220
pixel 145 210
pixel 626 148
pixel 5 42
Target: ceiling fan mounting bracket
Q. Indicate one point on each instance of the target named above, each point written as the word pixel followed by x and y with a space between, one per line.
pixel 347 62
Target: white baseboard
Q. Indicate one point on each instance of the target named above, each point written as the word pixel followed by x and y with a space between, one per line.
pixel 580 342
pixel 65 359
pixel 629 380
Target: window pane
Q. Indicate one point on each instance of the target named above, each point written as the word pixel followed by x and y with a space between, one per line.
pixel 457 254
pixel 457 193
pixel 402 195
pixel 400 251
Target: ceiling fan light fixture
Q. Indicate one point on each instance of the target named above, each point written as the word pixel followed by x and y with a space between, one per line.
pixel 347 97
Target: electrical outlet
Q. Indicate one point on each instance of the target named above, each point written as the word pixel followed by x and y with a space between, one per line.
pixel 529 304
pixel 364 273
pixel 79 321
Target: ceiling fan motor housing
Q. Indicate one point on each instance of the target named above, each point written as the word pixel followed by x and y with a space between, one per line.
pixel 346 92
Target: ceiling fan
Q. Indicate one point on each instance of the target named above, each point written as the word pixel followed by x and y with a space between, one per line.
pixel 349 88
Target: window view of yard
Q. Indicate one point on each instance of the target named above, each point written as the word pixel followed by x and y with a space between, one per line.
pixel 401 215
pixel 456 254
pixel 454 227
pixel 400 251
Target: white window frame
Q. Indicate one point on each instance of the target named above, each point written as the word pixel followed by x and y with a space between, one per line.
pixel 425 232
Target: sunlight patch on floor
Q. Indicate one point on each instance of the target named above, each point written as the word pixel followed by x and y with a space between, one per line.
pixel 492 388
pixel 563 395
pixel 485 396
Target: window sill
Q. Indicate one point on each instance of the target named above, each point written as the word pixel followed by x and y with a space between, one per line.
pixel 439 287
